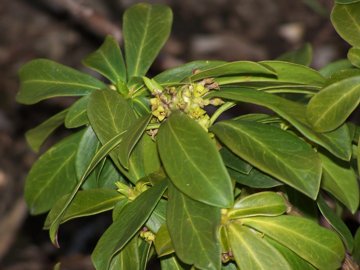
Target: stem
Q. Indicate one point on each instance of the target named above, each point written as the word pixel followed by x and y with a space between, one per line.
pixel 226 106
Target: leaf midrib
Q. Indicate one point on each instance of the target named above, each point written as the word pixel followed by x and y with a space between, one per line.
pixel 61 82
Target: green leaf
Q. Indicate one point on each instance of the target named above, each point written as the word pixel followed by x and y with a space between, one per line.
pixel 346 1
pixel 346 22
pixel 128 258
pixel 110 114
pixel 337 142
pixel 173 263
pixel 234 162
pixel 108 61
pixel 52 175
pixel 193 230
pixel 42 79
pixel 342 75
pixel 85 203
pixel 232 68
pixel 333 67
pixel 337 223
pixel 358 155
pixel 294 73
pixel 36 136
pixel 182 143
pixel 145 250
pixel 294 260
pixel 252 252
pixel 317 245
pixel 354 56
pixel 123 229
pixel 356 251
pixel 162 243
pixel 255 179
pixel 180 73
pixel 302 56
pixel 158 217
pixel 259 204
pixel 131 137
pixel 329 108
pixel 146 28
pixel 77 115
pixel 273 151
pixel 340 180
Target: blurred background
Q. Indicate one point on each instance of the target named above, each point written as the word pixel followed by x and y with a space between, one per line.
pixel 67 30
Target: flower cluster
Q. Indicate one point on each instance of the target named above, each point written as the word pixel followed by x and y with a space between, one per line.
pixel 188 98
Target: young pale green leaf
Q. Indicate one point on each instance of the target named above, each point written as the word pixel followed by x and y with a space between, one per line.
pixel 108 61
pixel 234 162
pixel 162 243
pixel 232 68
pixel 252 252
pixel 128 258
pixel 265 203
pixel 77 115
pixel 336 222
pixel 85 203
pixel 315 244
pixel 182 143
pixel 301 56
pixel 41 79
pixel 100 155
pixel 274 151
pixel 146 28
pixel 340 180
pixel 294 260
pixel 131 137
pixel 356 251
pixel 110 114
pixel 180 73
pixel 36 136
pixel 354 56
pixel 338 142
pixel 346 20
pixel 52 176
pixel 255 179
pixel 329 108
pixel 193 229
pixel 123 229
pixel 173 263
pixel 294 73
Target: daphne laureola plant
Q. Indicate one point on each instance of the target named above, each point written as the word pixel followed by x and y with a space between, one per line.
pixel 188 189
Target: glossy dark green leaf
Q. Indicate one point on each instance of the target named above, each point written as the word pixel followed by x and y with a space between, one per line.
pixel 302 56
pixel 229 266
pixel 182 143
pixel 85 203
pixel 158 217
pixel 234 162
pixel 173 263
pixel 338 142
pixel 128 257
pixel 42 79
pixel 177 74
pixel 336 222
pixel 295 73
pixel 35 137
pixel 346 20
pixel 193 229
pixel 333 67
pixel 146 28
pixel 162 243
pixel 52 175
pixel 356 251
pixel 255 179
pixel 301 204
pixel 145 251
pixel 123 229
pixel 358 156
pixel 354 56
pixel 259 204
pixel 77 115
pixel 110 114
pixel 273 151
pixel 317 245
pixel 232 68
pixel 252 252
pixel 141 105
pixel 340 180
pixel 329 108
pixel 294 260
pixel 131 137
pixel 108 61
